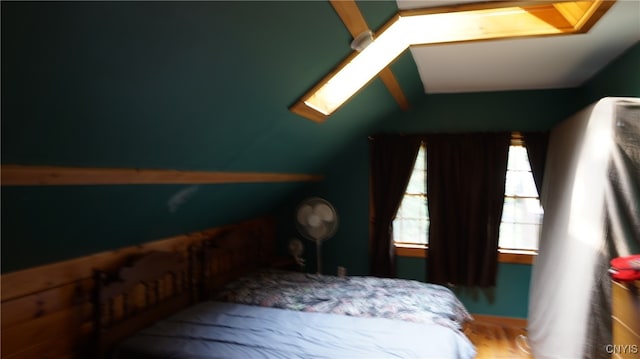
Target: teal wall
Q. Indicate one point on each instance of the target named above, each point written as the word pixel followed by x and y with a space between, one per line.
pixel 621 79
pixel 206 86
pixel 168 85
pixel 510 297
pixel 47 224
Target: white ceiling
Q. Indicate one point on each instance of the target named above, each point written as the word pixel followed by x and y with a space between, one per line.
pixel 527 63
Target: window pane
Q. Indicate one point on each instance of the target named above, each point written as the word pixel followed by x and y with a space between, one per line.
pixel 412 207
pixel 521 217
pixel 518 159
pixel 412 220
pixel 519 236
pixel 522 210
pixel 520 183
pixel 420 164
pixel 411 230
pixel 417 182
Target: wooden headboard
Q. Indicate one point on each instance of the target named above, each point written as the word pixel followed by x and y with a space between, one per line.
pixel 234 253
pixel 157 284
pixel 150 287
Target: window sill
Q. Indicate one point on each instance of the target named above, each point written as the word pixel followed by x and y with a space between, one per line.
pixel 504 255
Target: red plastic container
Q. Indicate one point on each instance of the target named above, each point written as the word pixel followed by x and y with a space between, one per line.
pixel 625 269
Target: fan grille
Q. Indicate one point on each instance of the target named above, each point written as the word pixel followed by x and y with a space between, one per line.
pixel 316 219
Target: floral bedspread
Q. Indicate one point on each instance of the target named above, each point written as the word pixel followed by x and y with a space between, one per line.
pixel 358 296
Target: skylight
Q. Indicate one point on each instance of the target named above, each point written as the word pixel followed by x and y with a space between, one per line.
pixel 473 22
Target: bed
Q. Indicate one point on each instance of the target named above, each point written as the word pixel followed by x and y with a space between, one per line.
pixel 223 301
pixel 358 296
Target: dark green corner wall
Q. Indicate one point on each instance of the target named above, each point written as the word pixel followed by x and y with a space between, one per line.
pixel 206 86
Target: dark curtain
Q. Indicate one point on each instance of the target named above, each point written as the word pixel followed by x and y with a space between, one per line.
pixel 392 159
pixel 536 144
pixel 465 188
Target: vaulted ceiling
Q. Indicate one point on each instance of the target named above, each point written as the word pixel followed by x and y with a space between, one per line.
pixel 526 63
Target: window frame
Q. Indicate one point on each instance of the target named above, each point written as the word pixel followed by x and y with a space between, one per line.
pixel 518 140
pixel 422 195
pixel 505 255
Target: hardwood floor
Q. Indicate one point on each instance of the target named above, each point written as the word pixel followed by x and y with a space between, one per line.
pixel 497 340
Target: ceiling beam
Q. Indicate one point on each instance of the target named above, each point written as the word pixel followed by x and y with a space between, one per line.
pixel 355 23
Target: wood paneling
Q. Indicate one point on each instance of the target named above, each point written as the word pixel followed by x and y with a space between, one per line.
pixel 32 280
pixel 67 346
pixel 47 310
pixel 44 302
pixel 45 328
pixel 16 175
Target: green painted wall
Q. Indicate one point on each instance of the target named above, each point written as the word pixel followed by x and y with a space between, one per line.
pixel 177 85
pixel 510 297
pixel 206 86
pixel 43 225
pixel 621 78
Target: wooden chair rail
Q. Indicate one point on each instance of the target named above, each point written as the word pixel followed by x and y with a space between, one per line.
pixel 19 175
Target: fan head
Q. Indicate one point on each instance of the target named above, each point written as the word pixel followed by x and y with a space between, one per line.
pixel 316 219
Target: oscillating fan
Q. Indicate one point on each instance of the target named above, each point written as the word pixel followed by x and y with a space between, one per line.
pixel 316 220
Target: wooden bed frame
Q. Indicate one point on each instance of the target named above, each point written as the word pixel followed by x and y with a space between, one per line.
pixel 232 254
pixel 158 284
pixel 152 286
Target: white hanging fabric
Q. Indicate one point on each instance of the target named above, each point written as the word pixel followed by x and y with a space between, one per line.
pixel 591 181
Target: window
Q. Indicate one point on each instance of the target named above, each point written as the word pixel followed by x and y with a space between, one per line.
pixel 521 213
pixel 411 226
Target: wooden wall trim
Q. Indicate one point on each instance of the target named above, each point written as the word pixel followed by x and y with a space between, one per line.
pixel 18 175
pixel 504 255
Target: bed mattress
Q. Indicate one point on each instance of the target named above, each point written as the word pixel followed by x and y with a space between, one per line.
pixel 230 330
